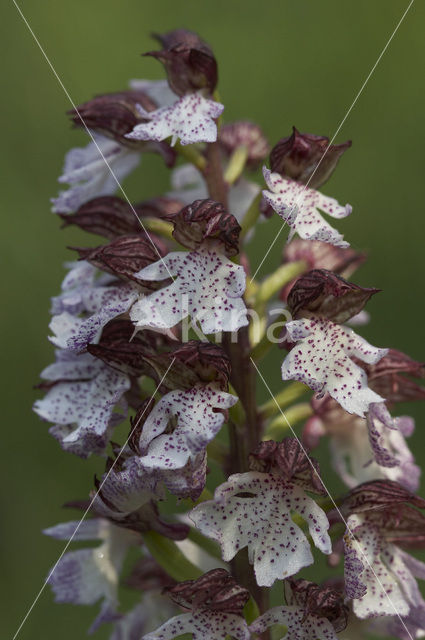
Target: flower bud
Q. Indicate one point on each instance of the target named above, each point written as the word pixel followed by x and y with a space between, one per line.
pixel 207 221
pixel 126 255
pixel 379 495
pixel 194 363
pixel 306 158
pixel 289 460
pixel 324 294
pixel 189 62
pixel 208 360
pixel 216 590
pixel 113 114
pixel 390 377
pixel 110 216
pixel 246 134
pixel 320 600
pixel 320 255
pixel 120 349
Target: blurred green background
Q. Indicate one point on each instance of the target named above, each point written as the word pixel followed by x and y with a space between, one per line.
pixel 282 63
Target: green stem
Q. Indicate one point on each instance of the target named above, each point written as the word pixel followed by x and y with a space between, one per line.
pixel 169 557
pixel 274 283
pixel 236 165
pixel 281 400
pixel 277 429
pixel 161 227
pixel 209 546
pixel 192 155
pixel 267 341
pixel 251 216
pixel 217 188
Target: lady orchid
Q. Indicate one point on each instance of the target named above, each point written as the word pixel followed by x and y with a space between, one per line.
pixel 162 324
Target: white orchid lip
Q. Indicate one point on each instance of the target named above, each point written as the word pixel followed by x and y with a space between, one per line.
pixel 198 420
pixel 92 171
pixel 190 119
pixel 298 205
pixel 207 286
pixel 262 522
pixel 369 556
pixel 322 359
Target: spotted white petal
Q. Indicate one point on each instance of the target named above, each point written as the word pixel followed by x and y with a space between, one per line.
pixel 87 575
pixel 203 624
pixel 298 625
pixel 207 286
pixel 322 360
pixel 261 521
pixel 87 172
pixel 198 419
pixel 377 575
pixel 299 206
pixel 100 305
pixel 190 119
pixel 380 425
pixel 82 410
pixel 81 275
pixel 126 490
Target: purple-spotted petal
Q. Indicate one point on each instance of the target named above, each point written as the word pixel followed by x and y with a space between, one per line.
pixel 80 276
pixel 190 119
pixel 322 360
pixel 376 575
pixel 299 207
pixel 82 410
pixel 198 420
pixel 203 624
pixel 261 520
pixel 207 286
pixel 124 491
pixel 298 626
pixel 86 171
pixel 104 304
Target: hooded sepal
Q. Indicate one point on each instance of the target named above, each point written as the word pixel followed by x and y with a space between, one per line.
pixel 125 255
pixel 216 590
pixel 307 158
pixel 189 62
pixel 288 460
pixel 325 294
pixel 111 217
pixel 207 223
